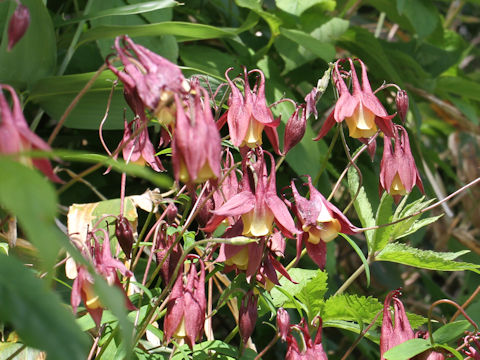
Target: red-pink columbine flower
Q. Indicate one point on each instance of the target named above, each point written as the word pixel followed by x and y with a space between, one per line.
pixel 149 77
pixel 18 25
pixel 165 243
pixel 258 203
pixel 320 222
pixel 247 315
pixel 472 345
pixel 196 147
pixel 313 350
pixel 16 136
pixel 393 335
pixel 361 109
pixel 398 173
pixel 283 323
pixel 106 266
pixel 186 306
pixel 248 114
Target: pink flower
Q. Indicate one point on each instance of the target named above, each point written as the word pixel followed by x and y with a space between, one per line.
pixel 393 335
pixel 320 222
pixel 257 204
pixel 295 128
pixel 196 147
pixel 248 114
pixel 472 346
pixel 186 306
pixel 247 315
pixel 313 350
pixel 283 323
pixel 361 109
pixel 398 173
pixel 149 77
pixel 16 136
pixel 18 25
pixel 106 266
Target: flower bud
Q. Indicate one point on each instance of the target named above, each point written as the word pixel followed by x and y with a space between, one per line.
pixel 295 129
pixel 124 234
pixel 247 316
pixel 401 100
pixel 283 323
pixel 172 212
pixel 18 25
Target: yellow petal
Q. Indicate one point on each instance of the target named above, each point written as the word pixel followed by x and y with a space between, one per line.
pixel 362 123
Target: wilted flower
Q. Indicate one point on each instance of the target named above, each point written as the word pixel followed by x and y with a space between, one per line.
pixel 398 173
pixel 257 204
pixel 312 350
pixel 18 25
pixel 106 266
pixel 320 222
pixel 247 315
pixel 361 109
pixel 165 243
pixel 16 136
pixel 186 306
pixel 196 147
pixel 149 77
pixel 393 335
pixel 248 114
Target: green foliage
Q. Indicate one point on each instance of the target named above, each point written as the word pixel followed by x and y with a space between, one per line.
pixel 408 349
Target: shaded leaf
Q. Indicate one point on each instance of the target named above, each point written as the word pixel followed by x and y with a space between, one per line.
pixel 297 7
pixel 451 331
pixel 408 349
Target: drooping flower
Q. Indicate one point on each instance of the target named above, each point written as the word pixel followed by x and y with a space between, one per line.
pixel 398 173
pixel 124 234
pixel 472 346
pixel 283 323
pixel 16 136
pixel 320 222
pixel 18 25
pixel 394 334
pixel 248 114
pixel 361 109
pixel 164 244
pixel 247 315
pixel 186 306
pixel 313 350
pixel 106 266
pixel 401 101
pixel 196 147
pixel 150 78
pixel 295 128
pixel 258 203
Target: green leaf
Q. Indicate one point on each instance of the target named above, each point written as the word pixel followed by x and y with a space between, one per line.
pixel 132 9
pixel 361 204
pixel 183 31
pixel 408 349
pixel 351 308
pixel 306 280
pixel 209 59
pixel 381 236
pixel 372 335
pixel 421 9
pixel 24 192
pixel 323 50
pixel 451 331
pixel 54 95
pixel 35 55
pixel 360 255
pixel 297 7
pixel 425 259
pixel 37 314
pixel 459 86
pixel 311 295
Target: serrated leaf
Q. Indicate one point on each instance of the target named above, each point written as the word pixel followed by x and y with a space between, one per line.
pixel 425 259
pixel 351 308
pixel 311 295
pixel 303 277
pixel 361 204
pixel 408 349
pixel 381 236
pixel 37 314
pixel 451 331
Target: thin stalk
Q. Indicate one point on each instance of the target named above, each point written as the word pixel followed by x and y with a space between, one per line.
pixel 381 20
pixel 270 344
pixel 352 278
pixel 360 337
pixel 327 156
pixel 466 303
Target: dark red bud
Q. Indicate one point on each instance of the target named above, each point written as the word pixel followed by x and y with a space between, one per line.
pixel 124 234
pixel 295 129
pixel 172 212
pixel 283 323
pixel 247 316
pixel 18 25
pixel 402 104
